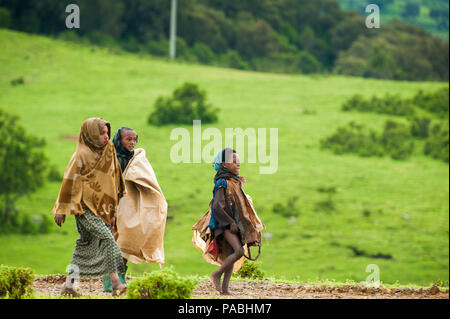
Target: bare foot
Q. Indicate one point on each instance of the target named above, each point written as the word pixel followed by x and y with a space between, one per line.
pixel 226 293
pixel 215 282
pixel 117 291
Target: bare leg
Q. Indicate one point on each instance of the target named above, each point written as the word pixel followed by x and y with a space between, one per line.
pixel 226 279
pixel 116 284
pixel 238 252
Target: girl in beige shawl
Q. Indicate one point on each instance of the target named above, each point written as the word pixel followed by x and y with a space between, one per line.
pixel 91 190
pixel 142 212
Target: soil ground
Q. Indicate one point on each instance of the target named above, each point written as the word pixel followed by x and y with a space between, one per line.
pixel 51 285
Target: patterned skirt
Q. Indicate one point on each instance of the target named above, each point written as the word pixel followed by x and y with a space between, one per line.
pixel 96 252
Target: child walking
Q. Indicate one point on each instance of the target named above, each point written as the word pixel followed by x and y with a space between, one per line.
pixel 231 224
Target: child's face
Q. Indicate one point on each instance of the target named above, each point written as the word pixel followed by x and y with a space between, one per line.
pixel 235 166
pixel 129 139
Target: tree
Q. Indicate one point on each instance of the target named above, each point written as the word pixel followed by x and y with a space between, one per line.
pixel 411 10
pixel 5 18
pixel 187 103
pixel 257 38
pixel 23 164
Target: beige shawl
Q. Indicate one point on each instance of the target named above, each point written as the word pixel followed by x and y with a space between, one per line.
pixel 93 178
pixel 142 213
pixel 252 224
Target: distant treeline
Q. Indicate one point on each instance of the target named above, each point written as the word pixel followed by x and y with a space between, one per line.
pixel 292 36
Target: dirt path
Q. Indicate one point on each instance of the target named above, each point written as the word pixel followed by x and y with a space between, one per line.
pixel 261 290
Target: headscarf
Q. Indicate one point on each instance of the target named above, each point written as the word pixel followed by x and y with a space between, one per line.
pixel 123 154
pixel 90 134
pixel 93 178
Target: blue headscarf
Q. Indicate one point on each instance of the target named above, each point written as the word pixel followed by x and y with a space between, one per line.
pixel 217 160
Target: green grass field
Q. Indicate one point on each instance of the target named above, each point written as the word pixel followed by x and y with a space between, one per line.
pixel 408 200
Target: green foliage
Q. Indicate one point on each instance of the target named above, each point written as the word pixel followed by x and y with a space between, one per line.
pixel 264 34
pixel 5 18
pixel 389 52
pixel 251 270
pixel 161 284
pixel 437 145
pixel 53 174
pixel 389 104
pixel 16 283
pixel 353 138
pixel 415 12
pixel 203 53
pixel 287 210
pixel 436 103
pixel 33 225
pixel 187 103
pixel 420 126
pixel 395 140
pixel 18 81
pixel 24 164
pixel 326 205
pixel 411 10
pixel 232 59
pixel 255 38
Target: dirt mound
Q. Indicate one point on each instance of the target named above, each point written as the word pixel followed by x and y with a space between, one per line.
pixel 259 290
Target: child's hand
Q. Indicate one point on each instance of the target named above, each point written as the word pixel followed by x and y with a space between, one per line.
pixel 59 219
pixel 243 180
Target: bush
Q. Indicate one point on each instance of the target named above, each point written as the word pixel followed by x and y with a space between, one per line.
pixel 232 59
pixel 161 284
pixel 389 104
pixel 326 205
pixel 396 140
pixel 16 283
pixel 308 63
pixel 45 225
pixel 250 270
pixel 28 226
pixel 436 103
pixel 420 126
pixel 160 48
pixel 54 175
pixel 187 103
pixel 203 53
pixel 353 138
pixel 437 145
pixel 287 211
pixel 18 81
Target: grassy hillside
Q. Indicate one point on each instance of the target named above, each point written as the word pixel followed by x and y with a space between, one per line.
pixel 407 200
